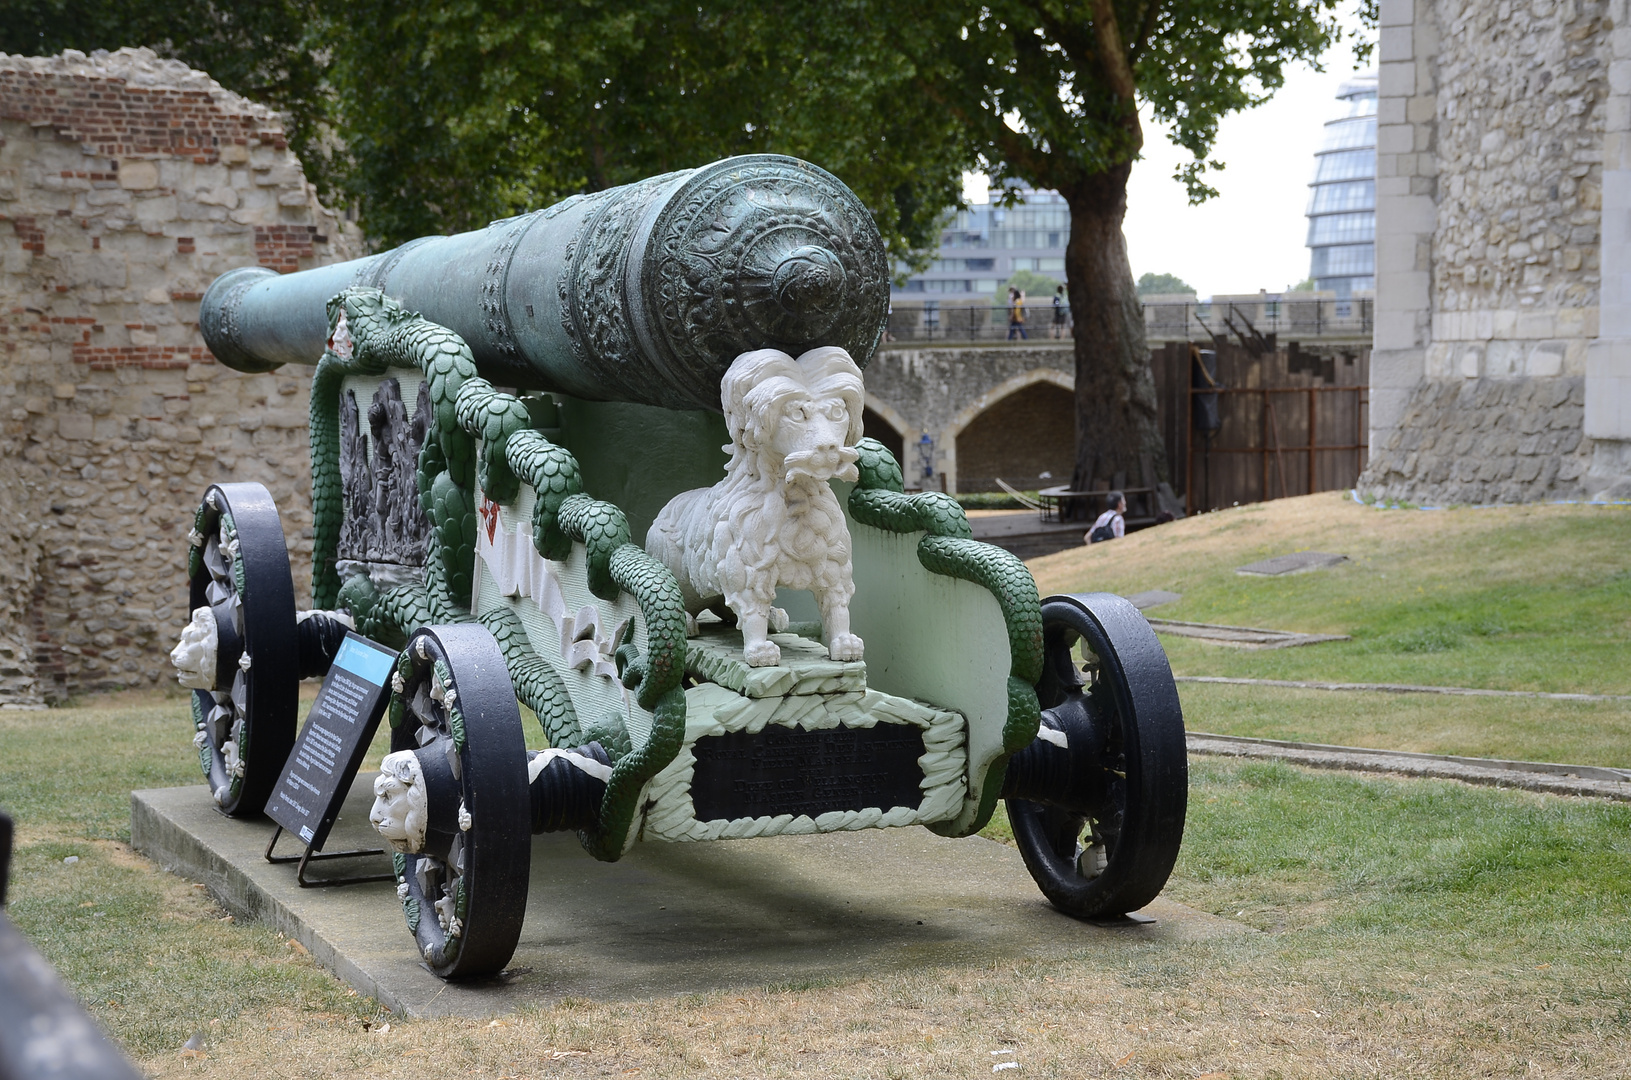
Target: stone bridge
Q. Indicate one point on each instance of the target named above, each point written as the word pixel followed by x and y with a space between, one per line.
pixel 961 414
pixel 958 417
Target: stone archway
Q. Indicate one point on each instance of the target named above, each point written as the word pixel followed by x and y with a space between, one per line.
pixel 1026 437
pixel 883 423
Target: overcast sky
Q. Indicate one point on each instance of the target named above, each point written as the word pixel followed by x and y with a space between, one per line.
pixel 1251 236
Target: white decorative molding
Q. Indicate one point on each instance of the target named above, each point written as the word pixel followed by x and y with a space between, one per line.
pixel 341 342
pixel 582 762
pixel 450 924
pixel 774 522
pixel 587 641
pixel 711 709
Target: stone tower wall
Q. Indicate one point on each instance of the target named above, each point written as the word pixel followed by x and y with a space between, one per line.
pixel 127 184
pixel 1494 119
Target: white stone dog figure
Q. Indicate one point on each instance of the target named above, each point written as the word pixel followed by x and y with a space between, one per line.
pixel 774 520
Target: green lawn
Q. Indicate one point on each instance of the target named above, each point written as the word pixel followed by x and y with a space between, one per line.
pixel 1518 598
pixel 149 954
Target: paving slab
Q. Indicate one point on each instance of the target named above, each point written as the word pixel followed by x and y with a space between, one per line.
pixel 1149 598
pixel 1553 778
pixel 1240 637
pixel 666 919
pixel 1398 688
pixel 1298 562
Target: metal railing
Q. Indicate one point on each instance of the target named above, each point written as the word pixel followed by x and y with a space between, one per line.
pixel 1243 319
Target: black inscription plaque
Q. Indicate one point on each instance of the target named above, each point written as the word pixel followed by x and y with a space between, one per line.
pixel 782 770
pixel 330 747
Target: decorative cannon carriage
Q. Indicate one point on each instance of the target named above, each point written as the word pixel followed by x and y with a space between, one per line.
pixel 800 647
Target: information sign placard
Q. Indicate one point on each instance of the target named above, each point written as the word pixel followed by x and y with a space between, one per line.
pixel 330 747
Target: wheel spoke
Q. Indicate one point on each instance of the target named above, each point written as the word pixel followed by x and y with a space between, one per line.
pixel 214 563
pixel 216 592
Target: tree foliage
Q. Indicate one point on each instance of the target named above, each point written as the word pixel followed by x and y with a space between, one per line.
pixel 458 112
pixel 1154 284
pixel 1047 94
pixel 445 114
pixel 432 116
pixel 1048 90
pixel 1031 283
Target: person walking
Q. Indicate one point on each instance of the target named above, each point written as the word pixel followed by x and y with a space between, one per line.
pixel 1059 312
pixel 1016 314
pixel 1111 525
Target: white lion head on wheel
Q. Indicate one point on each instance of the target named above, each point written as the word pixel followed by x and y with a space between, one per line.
pixel 194 656
pixel 790 417
pixel 401 810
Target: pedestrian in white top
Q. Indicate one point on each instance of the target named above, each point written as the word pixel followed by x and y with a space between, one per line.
pixel 1110 524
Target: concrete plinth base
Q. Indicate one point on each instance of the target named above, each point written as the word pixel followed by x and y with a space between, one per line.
pixel 668 918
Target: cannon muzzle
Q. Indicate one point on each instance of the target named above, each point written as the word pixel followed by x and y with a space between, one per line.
pixel 643 293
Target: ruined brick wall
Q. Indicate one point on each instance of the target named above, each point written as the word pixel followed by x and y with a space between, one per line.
pixel 1493 118
pixel 127 184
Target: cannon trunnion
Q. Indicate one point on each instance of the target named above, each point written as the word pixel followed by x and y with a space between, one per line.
pixel 498 417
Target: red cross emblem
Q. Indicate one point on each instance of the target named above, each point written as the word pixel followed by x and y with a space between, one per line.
pixel 489 515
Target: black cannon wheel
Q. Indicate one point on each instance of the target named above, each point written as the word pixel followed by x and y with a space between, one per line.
pixel 1135 824
pixel 465 894
pixel 245 727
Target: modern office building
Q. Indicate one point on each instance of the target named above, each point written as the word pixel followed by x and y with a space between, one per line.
pixel 1342 200
pixel 984 244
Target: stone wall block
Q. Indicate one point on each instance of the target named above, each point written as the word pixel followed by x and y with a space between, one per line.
pixel 1512 110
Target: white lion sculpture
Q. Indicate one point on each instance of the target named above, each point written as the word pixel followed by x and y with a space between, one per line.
pixel 774 520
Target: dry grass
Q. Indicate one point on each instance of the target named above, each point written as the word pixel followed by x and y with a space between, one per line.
pixel 1397 943
pixel 1411 928
pixel 1188 1016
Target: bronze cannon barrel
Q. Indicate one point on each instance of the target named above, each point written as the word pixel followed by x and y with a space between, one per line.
pixel 643 293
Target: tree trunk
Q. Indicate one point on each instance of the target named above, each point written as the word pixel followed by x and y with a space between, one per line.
pixel 1116 426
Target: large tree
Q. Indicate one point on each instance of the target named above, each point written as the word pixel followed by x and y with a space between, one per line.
pixel 1048 94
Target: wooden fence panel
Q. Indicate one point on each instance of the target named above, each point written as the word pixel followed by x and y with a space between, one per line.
pixel 1292 423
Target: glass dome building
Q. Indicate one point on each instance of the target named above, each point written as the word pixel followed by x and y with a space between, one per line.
pixel 1342 197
